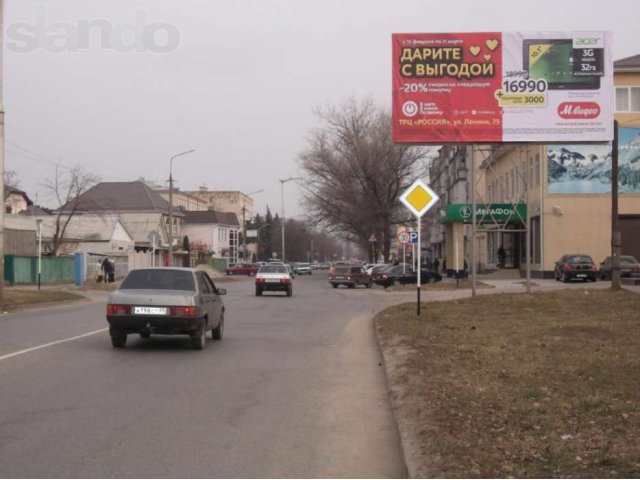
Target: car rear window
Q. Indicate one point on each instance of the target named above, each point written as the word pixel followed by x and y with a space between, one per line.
pixel 342 270
pixel 580 259
pixel 159 279
pixel 273 269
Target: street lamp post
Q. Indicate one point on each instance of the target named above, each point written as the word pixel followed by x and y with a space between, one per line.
pixel 39 229
pixel 244 225
pixel 171 204
pixel 282 182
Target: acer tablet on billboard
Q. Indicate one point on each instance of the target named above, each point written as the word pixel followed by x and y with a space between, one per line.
pixel 502 87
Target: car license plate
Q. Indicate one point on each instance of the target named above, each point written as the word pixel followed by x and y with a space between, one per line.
pixel 581 275
pixel 273 280
pixel 150 310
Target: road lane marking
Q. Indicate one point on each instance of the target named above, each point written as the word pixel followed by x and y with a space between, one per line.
pixel 51 344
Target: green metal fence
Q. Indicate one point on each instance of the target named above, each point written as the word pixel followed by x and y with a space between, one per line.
pixel 24 270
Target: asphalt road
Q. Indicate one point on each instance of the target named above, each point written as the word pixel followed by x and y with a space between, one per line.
pixel 295 389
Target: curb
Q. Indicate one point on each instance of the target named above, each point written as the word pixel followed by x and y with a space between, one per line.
pixel 410 470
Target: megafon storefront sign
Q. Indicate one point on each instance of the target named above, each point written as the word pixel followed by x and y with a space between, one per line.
pixel 502 87
pixel 495 212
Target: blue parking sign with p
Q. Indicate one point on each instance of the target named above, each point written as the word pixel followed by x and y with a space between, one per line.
pixel 413 236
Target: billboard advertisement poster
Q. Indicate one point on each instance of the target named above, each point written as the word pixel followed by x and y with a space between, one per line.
pixel 586 168
pixel 502 87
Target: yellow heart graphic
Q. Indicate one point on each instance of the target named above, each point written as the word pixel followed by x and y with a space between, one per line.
pixel 492 44
pixel 474 50
pixel 487 57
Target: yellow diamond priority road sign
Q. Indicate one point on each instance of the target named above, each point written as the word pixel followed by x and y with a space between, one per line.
pixel 419 198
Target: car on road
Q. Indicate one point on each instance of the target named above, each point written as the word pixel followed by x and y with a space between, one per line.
pixel 274 278
pixel 166 301
pixel 350 276
pixel 397 275
pixel 628 266
pixel 302 268
pixel 243 269
pixel 575 266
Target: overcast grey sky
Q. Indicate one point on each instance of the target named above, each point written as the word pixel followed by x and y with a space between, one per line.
pixel 235 80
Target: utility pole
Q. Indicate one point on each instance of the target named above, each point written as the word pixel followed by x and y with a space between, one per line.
pixel 615 229
pixel 282 182
pixel 171 204
pixel 1 151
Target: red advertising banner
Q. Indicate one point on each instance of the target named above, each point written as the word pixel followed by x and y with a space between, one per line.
pixel 502 87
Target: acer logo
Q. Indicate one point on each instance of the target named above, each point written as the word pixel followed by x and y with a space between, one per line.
pixel 585 110
pixel 587 41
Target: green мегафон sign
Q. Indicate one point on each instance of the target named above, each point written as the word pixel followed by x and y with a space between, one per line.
pixel 495 212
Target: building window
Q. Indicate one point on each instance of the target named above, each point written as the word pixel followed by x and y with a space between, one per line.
pixel 628 99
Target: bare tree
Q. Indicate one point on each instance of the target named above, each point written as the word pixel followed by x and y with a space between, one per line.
pixel 11 179
pixel 356 173
pixel 67 186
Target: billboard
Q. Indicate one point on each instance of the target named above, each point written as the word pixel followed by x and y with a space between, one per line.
pixel 586 168
pixel 502 87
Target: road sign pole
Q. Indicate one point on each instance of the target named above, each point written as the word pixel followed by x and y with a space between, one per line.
pixel 419 264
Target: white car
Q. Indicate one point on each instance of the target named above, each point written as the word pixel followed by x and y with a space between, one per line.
pixel 303 269
pixel 274 278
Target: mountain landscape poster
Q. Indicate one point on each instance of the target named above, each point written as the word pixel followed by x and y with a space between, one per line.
pixel 586 168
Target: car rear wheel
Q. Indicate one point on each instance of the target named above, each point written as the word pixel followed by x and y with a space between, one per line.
pixel 251 274
pixel 199 337
pixel 564 278
pixel 216 333
pixel 367 285
pixel 118 338
pixel 396 283
pixel 258 292
pixel 352 285
pixel 289 291
pixel 334 285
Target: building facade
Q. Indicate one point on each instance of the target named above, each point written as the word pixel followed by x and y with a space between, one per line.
pixel 559 195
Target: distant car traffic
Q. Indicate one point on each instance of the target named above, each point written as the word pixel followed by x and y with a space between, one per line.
pixel 575 266
pixel 167 301
pixel 350 276
pixel 401 275
pixel 628 266
pixel 243 269
pixel 302 269
pixel 274 278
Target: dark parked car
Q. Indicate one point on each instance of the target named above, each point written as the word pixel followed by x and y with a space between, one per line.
pixel 628 266
pixel 398 275
pixel 243 269
pixel 350 276
pixel 575 266
pixel 166 301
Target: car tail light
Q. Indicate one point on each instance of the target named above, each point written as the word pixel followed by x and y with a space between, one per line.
pixel 284 280
pixel 567 266
pixel 594 268
pixel 114 309
pixel 184 311
pixel 385 276
pixel 260 280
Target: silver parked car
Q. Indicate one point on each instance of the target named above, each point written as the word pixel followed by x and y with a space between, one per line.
pixel 168 301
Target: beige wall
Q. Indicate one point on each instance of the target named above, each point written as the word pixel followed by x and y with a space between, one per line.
pixel 570 223
pixel 231 201
pixel 576 224
pixel 631 119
